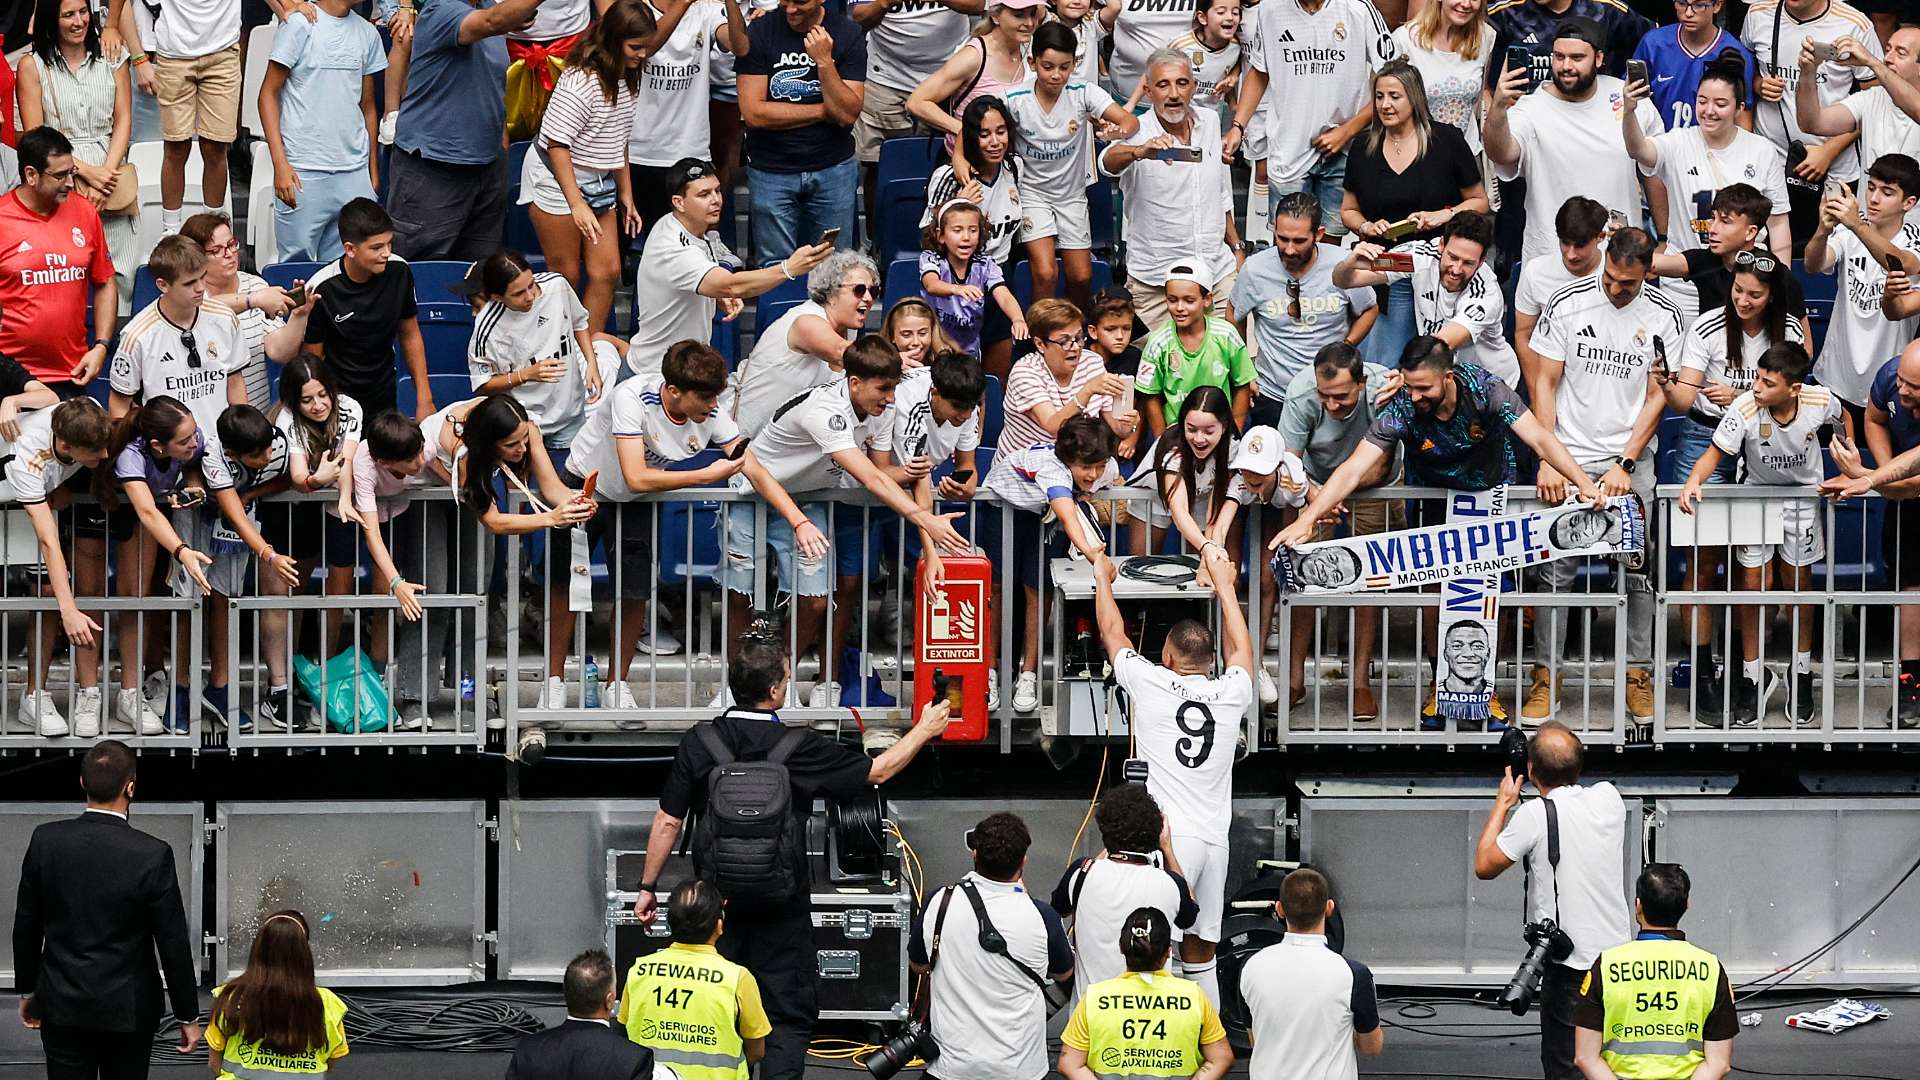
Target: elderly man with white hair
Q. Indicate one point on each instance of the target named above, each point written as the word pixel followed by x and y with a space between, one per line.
pixel 1176 190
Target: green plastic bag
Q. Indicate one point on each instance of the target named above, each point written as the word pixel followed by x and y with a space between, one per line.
pixel 348 691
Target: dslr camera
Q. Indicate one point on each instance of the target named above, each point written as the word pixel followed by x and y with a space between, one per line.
pixel 914 1041
pixel 1546 943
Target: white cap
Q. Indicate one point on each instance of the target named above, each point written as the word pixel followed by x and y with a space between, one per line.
pixel 1258 451
pixel 1195 273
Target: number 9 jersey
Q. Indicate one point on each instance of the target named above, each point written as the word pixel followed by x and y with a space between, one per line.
pixel 1187 727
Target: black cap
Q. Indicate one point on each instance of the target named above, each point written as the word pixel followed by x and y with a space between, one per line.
pixel 686 171
pixel 1581 28
pixel 469 286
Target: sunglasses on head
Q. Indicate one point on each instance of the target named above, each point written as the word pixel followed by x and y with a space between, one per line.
pixel 1756 260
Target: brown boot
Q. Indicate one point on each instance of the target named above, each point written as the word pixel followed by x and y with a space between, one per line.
pixel 1538 706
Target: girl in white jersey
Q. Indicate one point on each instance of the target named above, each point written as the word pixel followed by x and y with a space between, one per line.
pixel 1190 467
pixel 1213 48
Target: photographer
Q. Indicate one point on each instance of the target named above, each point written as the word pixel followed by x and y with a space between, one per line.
pixel 1573 841
pixel 1656 983
pixel 765 880
pixel 988 1009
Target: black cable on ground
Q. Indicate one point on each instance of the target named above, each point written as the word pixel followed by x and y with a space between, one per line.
pixel 1765 982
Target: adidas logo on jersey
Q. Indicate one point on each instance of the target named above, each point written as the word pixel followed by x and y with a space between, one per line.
pixel 23 248
pixel 1693 170
pixel 1587 332
pixel 1286 35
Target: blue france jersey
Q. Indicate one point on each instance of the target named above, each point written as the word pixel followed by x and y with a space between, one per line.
pixel 1675 72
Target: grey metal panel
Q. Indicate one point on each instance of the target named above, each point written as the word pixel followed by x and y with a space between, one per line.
pixel 1775 879
pixel 395 891
pixel 553 856
pixel 1402 871
pixel 176 823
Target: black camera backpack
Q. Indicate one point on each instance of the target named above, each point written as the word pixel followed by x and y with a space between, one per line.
pixel 748 842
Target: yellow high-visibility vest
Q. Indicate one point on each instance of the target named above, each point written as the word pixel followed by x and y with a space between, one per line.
pixel 1137 1028
pixel 683 1004
pixel 1657 993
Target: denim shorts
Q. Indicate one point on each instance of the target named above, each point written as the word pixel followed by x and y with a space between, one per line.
pixel 1689 444
pixel 741 546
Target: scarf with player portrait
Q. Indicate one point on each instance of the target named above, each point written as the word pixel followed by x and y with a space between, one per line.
pixel 1466 557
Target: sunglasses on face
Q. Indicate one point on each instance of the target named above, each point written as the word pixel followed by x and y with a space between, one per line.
pixel 860 292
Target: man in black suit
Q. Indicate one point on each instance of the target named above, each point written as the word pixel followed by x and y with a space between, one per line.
pixel 587 1046
pixel 98 898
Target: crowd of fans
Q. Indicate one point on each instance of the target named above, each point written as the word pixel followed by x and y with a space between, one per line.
pixel 1641 191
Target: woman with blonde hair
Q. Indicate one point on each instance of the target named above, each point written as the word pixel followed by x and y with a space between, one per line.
pixel 1451 43
pixel 1406 178
pixel 274 1018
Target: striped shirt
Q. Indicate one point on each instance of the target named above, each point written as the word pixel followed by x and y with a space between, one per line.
pixel 255 325
pixel 1030 384
pixel 579 119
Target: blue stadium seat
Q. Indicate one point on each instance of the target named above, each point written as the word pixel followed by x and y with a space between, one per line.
pixel 1819 292
pixel 902 280
pixel 519 229
pixel 994 419
pixel 688 555
pixel 1100 214
pixel 447 389
pixel 726 338
pixel 902 202
pixel 145 289
pixel 286 273
pixel 1023 279
pixel 908 157
pixel 431 279
pixel 446 328
pixel 776 301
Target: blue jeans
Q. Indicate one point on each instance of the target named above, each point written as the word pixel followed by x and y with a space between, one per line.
pixel 1328 182
pixel 1393 329
pixel 790 209
pixel 1692 442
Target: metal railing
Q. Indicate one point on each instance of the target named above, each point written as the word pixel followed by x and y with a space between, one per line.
pixel 677 541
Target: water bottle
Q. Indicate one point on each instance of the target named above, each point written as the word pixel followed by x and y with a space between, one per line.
pixel 1683 675
pixel 466 688
pixel 591 697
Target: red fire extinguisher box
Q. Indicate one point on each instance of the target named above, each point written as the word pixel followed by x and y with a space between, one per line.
pixel 953 637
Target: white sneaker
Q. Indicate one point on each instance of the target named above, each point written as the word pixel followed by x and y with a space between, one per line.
pixel 1273 637
pixel 554 694
pixel 993 689
pixel 132 708
pixel 86 712
pixel 1269 693
pixel 157 688
pixel 413 716
pixel 826 695
pixel 37 708
pixel 723 699
pixel 618 696
pixel 1026 692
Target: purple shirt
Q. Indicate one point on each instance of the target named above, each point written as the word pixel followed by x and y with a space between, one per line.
pixel 161 475
pixel 961 320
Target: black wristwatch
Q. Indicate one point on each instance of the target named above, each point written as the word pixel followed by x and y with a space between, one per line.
pixel 649 886
pixel 1626 464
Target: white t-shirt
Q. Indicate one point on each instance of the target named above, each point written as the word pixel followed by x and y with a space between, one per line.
pixel 774 372
pixel 505 340
pixel 1608 353
pixel 797 445
pixel 674 88
pixel 153 361
pixel 1187 727
pixel 1176 211
pixel 992 1017
pixel 1320 74
pixel 1705 350
pixel 1030 479
pixel 186 29
pixel 1141 27
pixel 633 411
pixel 1453 84
pixel 1570 148
pixel 351 421
pixel 1539 280
pixel 916 432
pixel 1055 147
pixel 999 201
pixel 1591 887
pixel 1477 308
pixel 1884 129
pixel 1111 892
pixel 1306 1003
pixel 1836 80
pixel 1693 172
pixel 912 40
pixel 32 470
pixel 1778 453
pixel 555 19
pixel 1860 338
pixel 671 308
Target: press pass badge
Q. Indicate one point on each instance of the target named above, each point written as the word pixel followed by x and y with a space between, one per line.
pixel 1134 770
pixel 580 563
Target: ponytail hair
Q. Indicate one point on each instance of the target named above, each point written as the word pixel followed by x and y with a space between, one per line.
pixel 1145 939
pixel 154 420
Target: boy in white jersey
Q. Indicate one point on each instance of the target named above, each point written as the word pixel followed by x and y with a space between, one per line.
pixel 184 345
pixel 1779 426
pixel 1187 726
pixel 825 438
pixel 1455 295
pixel 638 442
pixel 1053 127
pixel 1867 325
